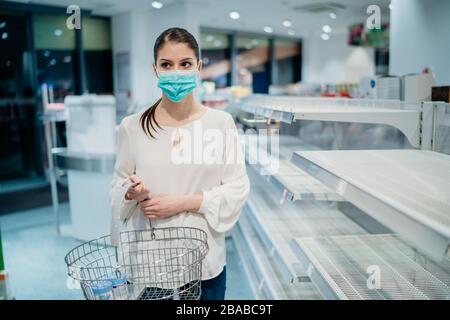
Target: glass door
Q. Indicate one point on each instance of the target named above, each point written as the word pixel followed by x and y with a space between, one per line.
pixel 19 144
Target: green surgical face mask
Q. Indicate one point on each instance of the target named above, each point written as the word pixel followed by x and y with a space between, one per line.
pixel 177 84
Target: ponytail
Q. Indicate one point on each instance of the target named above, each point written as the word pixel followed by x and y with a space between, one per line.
pixel 148 118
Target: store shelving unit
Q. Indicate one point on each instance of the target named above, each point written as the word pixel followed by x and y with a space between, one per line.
pixel 346 267
pixel 276 226
pixel 406 117
pixel 407 190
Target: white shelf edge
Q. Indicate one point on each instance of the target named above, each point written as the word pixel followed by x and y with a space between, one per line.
pixel 405 120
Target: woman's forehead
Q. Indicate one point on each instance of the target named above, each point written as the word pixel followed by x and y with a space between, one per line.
pixel 175 51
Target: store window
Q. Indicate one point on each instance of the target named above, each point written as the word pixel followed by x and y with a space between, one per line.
pixel 253 63
pixel 98 55
pixel 19 158
pixel 215 52
pixel 56 54
pixel 287 62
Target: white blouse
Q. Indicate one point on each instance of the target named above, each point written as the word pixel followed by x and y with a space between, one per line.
pixel 208 158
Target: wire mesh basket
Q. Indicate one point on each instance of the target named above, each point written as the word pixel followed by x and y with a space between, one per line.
pixel 152 264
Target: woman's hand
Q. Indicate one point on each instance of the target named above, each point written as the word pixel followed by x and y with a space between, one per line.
pixel 139 192
pixel 163 206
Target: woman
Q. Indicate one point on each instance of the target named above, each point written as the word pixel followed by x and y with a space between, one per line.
pixel 165 152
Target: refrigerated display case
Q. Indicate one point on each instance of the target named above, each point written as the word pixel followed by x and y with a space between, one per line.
pixel 395 243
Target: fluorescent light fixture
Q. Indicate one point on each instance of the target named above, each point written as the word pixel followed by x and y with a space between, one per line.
pixel 5 35
pixel 326 28
pixel 332 15
pixel 209 38
pixel 287 23
pixel 217 43
pixel 2 24
pixel 325 36
pixel 157 5
pixel 58 32
pixel 235 15
pixel 291 32
pixel 268 29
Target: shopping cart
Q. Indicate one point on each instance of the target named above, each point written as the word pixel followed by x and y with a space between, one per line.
pixel 152 264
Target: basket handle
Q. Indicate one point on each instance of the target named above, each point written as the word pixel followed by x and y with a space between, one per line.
pixel 152 229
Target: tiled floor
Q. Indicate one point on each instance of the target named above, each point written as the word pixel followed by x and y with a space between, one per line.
pixel 34 258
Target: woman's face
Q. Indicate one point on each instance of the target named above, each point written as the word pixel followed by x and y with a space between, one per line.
pixel 176 56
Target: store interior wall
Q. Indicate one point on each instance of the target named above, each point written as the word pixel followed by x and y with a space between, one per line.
pixel 140 30
pixel 335 61
pixel 420 38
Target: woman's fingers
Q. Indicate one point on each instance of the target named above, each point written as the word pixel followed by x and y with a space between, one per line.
pixel 135 179
pixel 151 214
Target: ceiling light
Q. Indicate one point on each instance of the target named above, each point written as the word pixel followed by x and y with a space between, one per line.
pixel 58 32
pixel 255 42
pixel 46 53
pixel 291 32
pixel 217 43
pixel 52 62
pixel 287 23
pixel 326 28
pixel 157 5
pixel 268 29
pixel 325 36
pixel 333 15
pixel 209 38
pixel 2 24
pixel 235 15
pixel 391 6
pixel 5 35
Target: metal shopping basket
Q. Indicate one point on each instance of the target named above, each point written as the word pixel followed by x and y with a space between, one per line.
pixel 152 264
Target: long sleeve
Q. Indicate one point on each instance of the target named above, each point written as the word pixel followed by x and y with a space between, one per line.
pixel 124 168
pixel 223 204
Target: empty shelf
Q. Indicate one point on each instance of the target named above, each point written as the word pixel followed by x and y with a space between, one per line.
pixel 293 184
pixel 261 268
pixel 343 267
pixel 403 116
pixel 277 225
pixel 406 190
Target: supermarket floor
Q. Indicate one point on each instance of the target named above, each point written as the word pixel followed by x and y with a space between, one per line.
pixel 34 257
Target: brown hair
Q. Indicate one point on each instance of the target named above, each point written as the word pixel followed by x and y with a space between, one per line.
pixel 176 35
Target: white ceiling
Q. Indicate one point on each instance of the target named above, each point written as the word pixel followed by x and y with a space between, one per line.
pixel 255 14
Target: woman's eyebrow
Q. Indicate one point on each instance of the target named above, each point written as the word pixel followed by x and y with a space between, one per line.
pixel 186 59
pixel 165 60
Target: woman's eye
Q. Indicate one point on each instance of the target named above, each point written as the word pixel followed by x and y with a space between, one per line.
pixel 165 65
pixel 186 64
